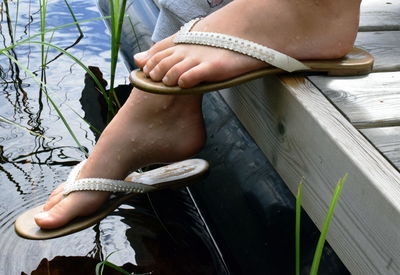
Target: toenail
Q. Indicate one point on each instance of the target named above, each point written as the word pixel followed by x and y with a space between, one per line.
pixel 180 83
pixel 140 55
pixel 145 68
pixel 165 80
pixel 42 216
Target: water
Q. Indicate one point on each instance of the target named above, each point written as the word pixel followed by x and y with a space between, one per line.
pixel 149 234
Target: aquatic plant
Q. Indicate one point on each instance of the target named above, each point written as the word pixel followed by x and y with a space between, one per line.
pixel 324 230
pixel 100 267
pixel 117 15
pixel 117 11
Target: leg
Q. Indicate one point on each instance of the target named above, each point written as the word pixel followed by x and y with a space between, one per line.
pixel 303 29
pixel 148 129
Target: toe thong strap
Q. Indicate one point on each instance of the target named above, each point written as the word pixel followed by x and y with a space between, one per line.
pixel 100 184
pixel 243 46
pixel 108 185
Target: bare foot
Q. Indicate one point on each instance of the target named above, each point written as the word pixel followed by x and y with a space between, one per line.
pixel 303 29
pixel 148 129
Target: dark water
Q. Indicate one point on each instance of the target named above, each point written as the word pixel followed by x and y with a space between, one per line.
pixel 149 234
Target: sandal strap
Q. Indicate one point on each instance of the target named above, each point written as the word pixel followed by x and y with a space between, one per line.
pixel 101 184
pixel 243 46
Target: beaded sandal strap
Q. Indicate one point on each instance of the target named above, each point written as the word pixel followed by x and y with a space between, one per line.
pixel 243 46
pixel 100 184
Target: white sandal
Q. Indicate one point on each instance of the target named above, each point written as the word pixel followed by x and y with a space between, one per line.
pixel 170 176
pixel 356 62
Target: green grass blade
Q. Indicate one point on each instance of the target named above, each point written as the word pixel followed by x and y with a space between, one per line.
pixel 16 20
pixel 47 50
pixel 73 17
pixel 26 40
pixel 88 71
pixel 325 228
pixel 99 268
pixel 117 12
pixel 119 269
pixel 21 127
pixel 43 8
pixel 297 227
pixel 42 85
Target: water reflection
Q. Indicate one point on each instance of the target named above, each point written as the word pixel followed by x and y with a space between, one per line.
pixel 150 233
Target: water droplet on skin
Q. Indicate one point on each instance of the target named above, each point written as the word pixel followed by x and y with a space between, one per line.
pixel 165 107
pixel 150 126
pixel 133 139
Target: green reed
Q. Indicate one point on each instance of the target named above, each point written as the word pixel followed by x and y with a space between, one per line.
pixel 297 226
pixel 100 267
pixel 324 230
pixel 43 88
pixel 21 127
pixel 16 19
pixel 117 11
pixel 117 16
pixel 43 8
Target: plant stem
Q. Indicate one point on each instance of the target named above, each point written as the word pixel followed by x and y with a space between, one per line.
pixel 297 226
pixel 325 228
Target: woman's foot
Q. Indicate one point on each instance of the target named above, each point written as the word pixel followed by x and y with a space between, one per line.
pixel 302 29
pixel 148 129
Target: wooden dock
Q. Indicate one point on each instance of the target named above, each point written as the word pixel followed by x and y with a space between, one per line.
pixel 322 127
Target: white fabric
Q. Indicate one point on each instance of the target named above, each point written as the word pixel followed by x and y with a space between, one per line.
pixel 175 13
pixel 243 46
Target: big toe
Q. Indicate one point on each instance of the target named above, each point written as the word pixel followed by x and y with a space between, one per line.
pixel 59 215
pixel 74 205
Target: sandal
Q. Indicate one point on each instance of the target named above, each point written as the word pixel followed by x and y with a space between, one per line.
pixel 170 176
pixel 356 62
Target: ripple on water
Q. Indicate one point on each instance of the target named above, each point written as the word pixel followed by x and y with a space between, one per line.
pixel 150 235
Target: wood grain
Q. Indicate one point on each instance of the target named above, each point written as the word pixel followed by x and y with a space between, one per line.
pixel 377 15
pixel 387 141
pixel 302 134
pixel 384 46
pixel 367 101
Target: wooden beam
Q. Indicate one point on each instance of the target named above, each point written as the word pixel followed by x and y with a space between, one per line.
pixel 302 134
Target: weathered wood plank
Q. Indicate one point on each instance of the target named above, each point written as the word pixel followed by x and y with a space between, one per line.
pixel 384 46
pixel 302 134
pixel 387 141
pixel 378 15
pixel 367 101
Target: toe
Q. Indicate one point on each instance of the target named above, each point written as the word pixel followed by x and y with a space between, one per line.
pixel 74 205
pixel 172 76
pixel 200 73
pixel 58 215
pixel 53 200
pixel 165 66
pixel 155 60
pixel 58 190
pixel 142 58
